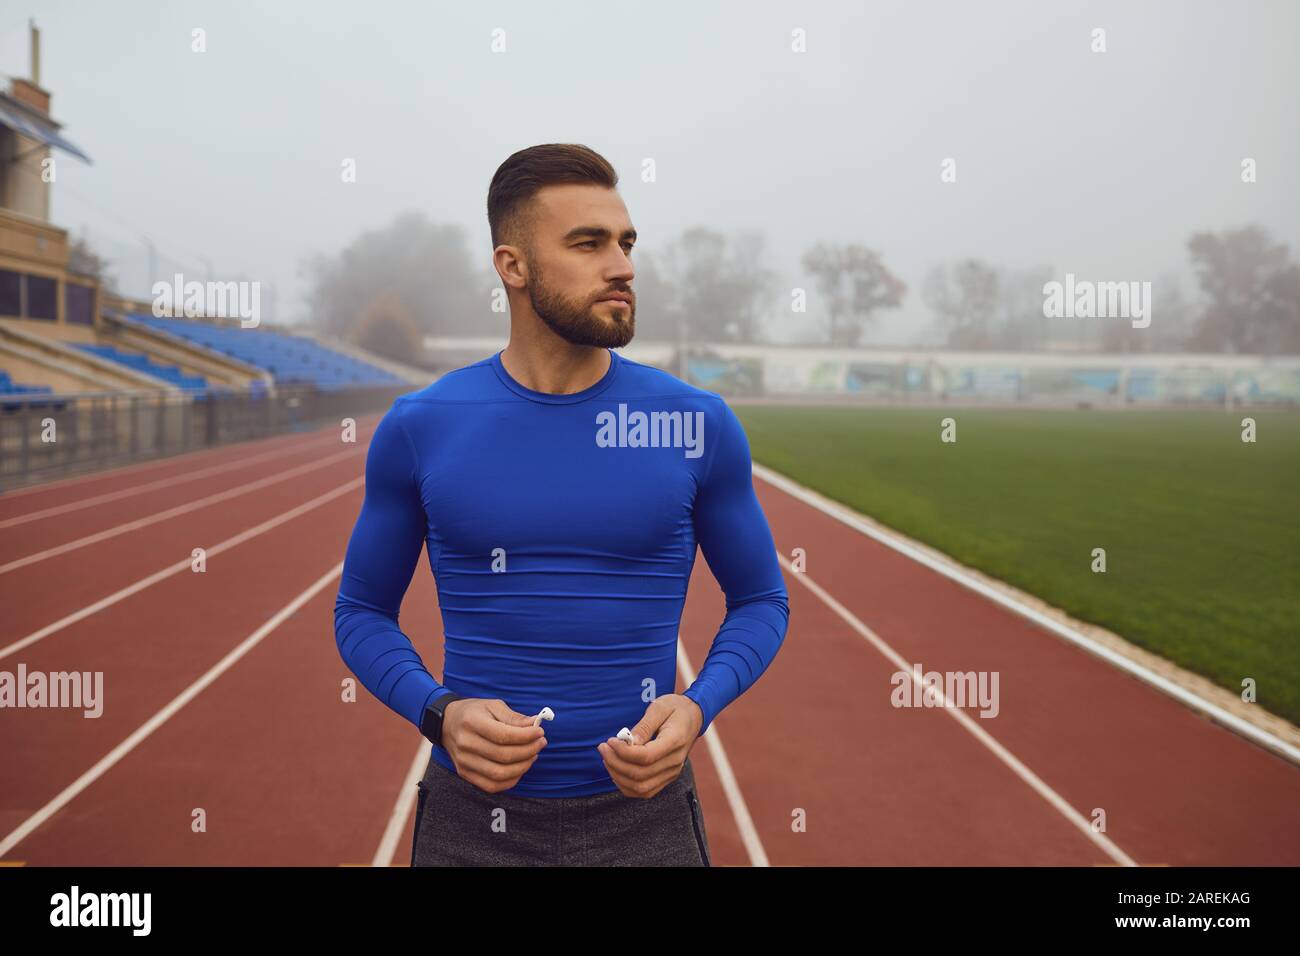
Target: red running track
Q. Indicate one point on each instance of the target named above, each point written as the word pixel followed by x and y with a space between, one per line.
pixel 814 766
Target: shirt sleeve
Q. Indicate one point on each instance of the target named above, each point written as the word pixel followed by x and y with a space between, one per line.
pixel 737 543
pixel 381 557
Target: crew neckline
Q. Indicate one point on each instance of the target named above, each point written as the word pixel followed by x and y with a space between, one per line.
pixel 551 398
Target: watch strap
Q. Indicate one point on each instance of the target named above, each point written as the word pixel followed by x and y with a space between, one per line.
pixel 435 713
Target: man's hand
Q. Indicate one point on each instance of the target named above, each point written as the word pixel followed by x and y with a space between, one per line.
pixel 643 769
pixel 490 744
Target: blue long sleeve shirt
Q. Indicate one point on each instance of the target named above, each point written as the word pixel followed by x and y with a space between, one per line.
pixel 561 531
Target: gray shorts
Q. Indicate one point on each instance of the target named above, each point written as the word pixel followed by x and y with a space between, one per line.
pixel 457 824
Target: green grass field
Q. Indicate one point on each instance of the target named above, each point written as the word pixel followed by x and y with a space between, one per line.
pixel 1201 530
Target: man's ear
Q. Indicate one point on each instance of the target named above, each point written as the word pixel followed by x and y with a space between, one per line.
pixel 512 269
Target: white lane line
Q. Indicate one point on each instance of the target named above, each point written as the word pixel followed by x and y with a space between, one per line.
pixel 1077 819
pixel 182 565
pixel 106 473
pixel 407 799
pixel 162 716
pixel 1182 694
pixel 736 800
pixel 156 485
pixel 179 510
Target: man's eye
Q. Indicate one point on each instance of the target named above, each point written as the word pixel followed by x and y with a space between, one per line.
pixel 593 243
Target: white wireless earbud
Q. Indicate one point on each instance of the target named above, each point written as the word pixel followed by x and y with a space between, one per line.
pixel 546 714
pixel 626 735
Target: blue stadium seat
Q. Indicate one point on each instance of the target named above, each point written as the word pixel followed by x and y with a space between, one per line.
pixel 289 358
pixel 142 362
pixel 9 387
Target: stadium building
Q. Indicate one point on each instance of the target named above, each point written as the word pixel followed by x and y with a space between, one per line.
pixel 89 379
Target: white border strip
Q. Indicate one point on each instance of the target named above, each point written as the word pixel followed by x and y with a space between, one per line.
pixel 739 810
pixel 169 482
pixel 179 510
pixel 161 717
pixel 176 568
pixel 408 801
pixel 1076 819
pixel 1214 712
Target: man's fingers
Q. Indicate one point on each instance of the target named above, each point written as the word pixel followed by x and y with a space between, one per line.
pixel 647 786
pixel 655 751
pixel 501 711
pixel 655 716
pixel 650 751
pixel 502 753
pixel 627 760
pixel 634 753
pixel 505 735
pixel 504 726
pixel 485 774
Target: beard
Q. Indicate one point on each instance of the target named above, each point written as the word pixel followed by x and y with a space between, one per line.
pixel 578 322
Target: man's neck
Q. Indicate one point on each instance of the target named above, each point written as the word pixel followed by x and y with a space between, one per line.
pixel 556 367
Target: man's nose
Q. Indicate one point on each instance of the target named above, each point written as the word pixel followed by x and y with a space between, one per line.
pixel 624 271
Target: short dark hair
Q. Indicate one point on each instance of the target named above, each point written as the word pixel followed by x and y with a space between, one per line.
pixel 518 179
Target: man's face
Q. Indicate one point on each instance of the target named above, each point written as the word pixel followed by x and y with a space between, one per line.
pixel 581 245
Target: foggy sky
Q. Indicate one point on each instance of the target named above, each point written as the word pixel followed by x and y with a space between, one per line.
pixel 1099 164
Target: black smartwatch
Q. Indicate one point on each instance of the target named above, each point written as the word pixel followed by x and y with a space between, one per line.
pixel 431 723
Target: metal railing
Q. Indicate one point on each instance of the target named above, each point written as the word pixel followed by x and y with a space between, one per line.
pixel 44 436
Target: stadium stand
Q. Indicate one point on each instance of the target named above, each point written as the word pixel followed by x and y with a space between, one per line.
pixel 289 358
pixel 142 362
pixel 9 387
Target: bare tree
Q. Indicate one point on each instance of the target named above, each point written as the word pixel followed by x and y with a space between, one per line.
pixel 964 297
pixel 709 288
pixel 426 265
pixel 1170 328
pixel 1252 291
pixel 657 305
pixel 855 284
pixel 753 282
pixel 1021 323
pixel 386 327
